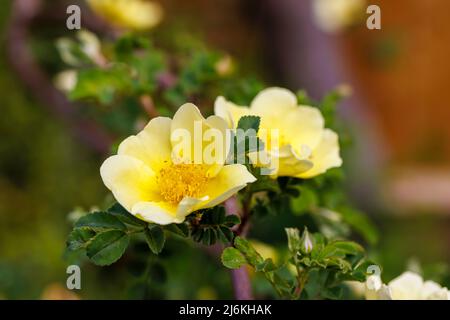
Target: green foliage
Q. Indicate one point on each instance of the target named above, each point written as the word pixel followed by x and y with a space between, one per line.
pixel 213 225
pixel 154 235
pixel 322 198
pixel 102 84
pixel 79 237
pixel 104 236
pixel 243 252
pixel 246 141
pixel 123 215
pixel 232 258
pixel 324 264
pixel 249 123
pixel 99 221
pixel 198 72
pixel 181 229
pixel 107 247
pixel 72 52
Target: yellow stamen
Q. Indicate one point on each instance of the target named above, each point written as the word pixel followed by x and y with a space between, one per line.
pixel 177 181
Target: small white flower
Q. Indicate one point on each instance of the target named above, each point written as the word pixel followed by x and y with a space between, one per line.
pixel 408 286
pixel 66 80
pixel 90 44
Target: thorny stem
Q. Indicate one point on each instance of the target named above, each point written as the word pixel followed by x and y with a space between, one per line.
pixel 240 278
pixel 302 276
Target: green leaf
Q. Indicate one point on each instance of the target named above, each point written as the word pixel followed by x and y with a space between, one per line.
pixel 348 247
pixel 249 122
pixel 328 252
pixel 246 135
pixel 232 220
pixel 232 258
pixel 264 183
pixel 334 293
pixel 215 225
pixel 71 52
pixel 244 246
pixel 208 238
pixel 180 229
pixel 339 249
pixel 227 233
pixel 361 223
pixel 123 215
pixel 155 238
pixel 266 266
pixel 342 264
pixel 102 84
pixel 359 272
pixel 294 241
pixel 107 247
pixel 100 221
pixel 79 237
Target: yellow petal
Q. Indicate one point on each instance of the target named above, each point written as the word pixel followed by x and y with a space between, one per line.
pixel 186 127
pixel 325 155
pixel 151 145
pixel 189 205
pixel 289 162
pixel 156 212
pixel 185 118
pixel 229 111
pixel 221 138
pixel 130 14
pixel 303 126
pixel 262 159
pixel 229 181
pixel 193 137
pixel 130 180
pixel 166 213
pixel 273 102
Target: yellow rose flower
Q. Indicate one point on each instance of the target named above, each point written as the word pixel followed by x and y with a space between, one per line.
pixel 294 136
pixel 157 181
pixel 128 14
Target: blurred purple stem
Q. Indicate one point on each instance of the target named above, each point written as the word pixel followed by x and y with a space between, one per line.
pixel 240 279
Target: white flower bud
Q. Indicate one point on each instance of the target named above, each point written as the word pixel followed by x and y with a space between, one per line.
pixel 307 244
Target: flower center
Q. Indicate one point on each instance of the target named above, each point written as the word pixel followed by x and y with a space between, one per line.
pixel 274 140
pixel 177 181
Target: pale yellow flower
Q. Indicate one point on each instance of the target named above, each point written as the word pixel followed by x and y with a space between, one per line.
pixel 336 15
pixel 66 80
pixel 128 14
pixel 157 182
pixel 293 135
pixel 408 286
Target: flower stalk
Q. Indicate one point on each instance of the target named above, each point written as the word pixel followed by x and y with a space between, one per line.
pixel 240 279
